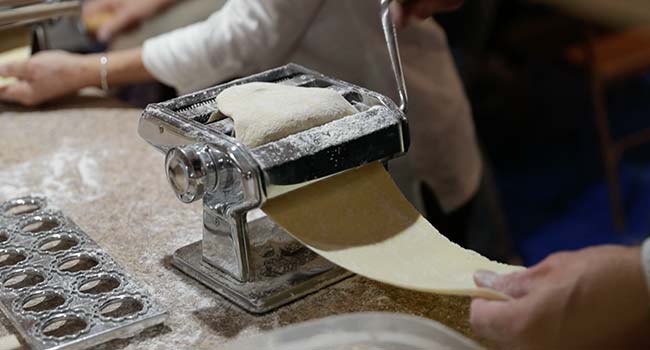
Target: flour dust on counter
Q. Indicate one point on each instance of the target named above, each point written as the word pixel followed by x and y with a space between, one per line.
pixel 66 174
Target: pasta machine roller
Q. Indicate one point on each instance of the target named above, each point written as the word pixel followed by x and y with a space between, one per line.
pixel 244 255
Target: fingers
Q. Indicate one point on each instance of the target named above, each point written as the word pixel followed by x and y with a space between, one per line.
pixel 20 92
pixel 13 69
pixel 493 320
pixel 422 9
pixel 93 8
pixel 515 284
pixel 397 14
pixel 117 24
pixel 500 321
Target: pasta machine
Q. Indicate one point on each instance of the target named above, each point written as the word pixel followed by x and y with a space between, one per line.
pixel 244 255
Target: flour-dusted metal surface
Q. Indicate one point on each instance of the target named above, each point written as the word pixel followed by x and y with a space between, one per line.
pixel 91 164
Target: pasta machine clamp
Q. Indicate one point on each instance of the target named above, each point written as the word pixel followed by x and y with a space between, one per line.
pixel 244 255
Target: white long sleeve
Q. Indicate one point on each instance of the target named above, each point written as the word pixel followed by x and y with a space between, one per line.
pixel 245 36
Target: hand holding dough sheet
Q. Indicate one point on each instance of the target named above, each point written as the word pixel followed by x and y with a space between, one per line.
pixel 358 219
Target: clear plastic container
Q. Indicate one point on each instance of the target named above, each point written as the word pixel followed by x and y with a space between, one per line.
pixel 361 331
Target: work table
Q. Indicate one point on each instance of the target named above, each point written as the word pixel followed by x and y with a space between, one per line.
pixel 91 164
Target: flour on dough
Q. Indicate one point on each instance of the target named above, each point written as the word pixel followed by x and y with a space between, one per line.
pixel 265 112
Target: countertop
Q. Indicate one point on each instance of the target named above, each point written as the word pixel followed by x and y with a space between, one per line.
pixel 90 162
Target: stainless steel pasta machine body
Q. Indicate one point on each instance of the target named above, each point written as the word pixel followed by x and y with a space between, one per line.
pixel 244 255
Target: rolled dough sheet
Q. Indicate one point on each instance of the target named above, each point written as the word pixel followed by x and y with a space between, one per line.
pixel 359 220
pixel 265 112
pixel 17 54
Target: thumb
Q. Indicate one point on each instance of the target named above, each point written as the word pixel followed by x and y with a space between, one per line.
pixel 514 284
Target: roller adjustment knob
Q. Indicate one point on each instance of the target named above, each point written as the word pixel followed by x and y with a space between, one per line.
pixel 191 171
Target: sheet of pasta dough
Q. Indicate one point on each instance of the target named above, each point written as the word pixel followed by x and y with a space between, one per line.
pixel 359 220
pixel 14 55
pixel 14 46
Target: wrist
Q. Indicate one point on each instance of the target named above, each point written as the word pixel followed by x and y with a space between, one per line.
pixel 90 68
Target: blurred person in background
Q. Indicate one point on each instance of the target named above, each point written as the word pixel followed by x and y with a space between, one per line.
pixel 115 17
pixel 594 298
pixel 338 38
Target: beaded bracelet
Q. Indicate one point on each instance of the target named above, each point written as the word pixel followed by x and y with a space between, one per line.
pixel 103 72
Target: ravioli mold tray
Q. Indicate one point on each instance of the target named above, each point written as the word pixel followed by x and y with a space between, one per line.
pixel 59 288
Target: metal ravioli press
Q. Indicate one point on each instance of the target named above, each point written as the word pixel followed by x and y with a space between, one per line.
pixel 244 255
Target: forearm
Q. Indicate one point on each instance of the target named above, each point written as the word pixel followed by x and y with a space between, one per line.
pixel 123 67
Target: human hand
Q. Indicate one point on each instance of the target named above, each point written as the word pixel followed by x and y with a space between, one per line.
pixel 594 298
pixel 118 16
pixel 46 76
pixel 402 10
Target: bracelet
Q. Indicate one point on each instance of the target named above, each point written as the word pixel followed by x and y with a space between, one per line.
pixel 103 72
pixel 645 262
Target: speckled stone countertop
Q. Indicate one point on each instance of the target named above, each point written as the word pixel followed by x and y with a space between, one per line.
pixel 90 162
